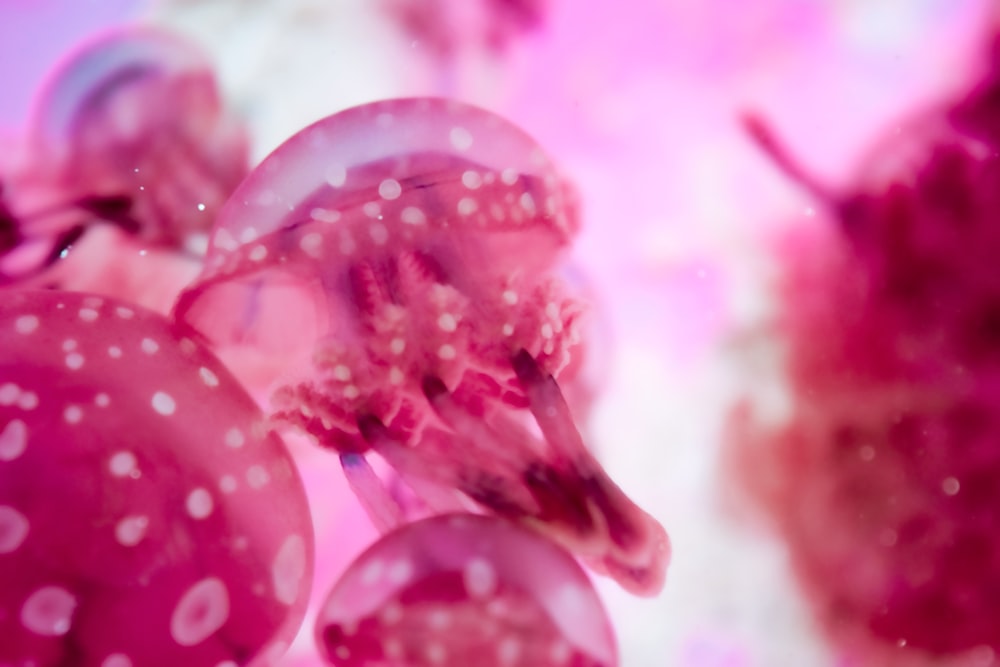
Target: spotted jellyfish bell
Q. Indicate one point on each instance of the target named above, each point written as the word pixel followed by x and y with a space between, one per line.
pixel 395 264
pixel 146 517
pixel 453 590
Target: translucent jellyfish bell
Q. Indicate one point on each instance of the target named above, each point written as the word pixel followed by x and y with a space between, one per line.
pixel 391 270
pixel 465 590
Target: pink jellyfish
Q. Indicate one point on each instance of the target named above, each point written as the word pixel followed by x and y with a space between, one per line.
pixel 128 131
pixel 453 591
pixel 886 479
pixel 448 26
pixel 395 266
pixel 146 516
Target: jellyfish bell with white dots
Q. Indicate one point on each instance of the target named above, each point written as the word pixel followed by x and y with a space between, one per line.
pixel 120 434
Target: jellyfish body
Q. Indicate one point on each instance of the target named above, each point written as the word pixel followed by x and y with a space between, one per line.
pixel 396 263
pixel 146 517
pixel 128 133
pixel 453 591
pixel 137 113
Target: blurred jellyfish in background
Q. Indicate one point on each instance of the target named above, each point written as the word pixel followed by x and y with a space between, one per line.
pixel 640 103
pixel 882 478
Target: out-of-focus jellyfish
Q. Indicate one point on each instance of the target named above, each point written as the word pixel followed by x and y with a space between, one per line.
pixel 885 481
pixel 128 140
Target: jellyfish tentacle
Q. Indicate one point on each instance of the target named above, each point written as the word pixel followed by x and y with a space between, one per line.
pixel 491 478
pixel 638 548
pixel 382 509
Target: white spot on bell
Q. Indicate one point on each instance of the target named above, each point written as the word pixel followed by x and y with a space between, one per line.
pixel 73 414
pixel 234 438
pixel 390 189
pixel 288 569
pixel 208 377
pixel 88 314
pixel 74 361
pixel 114 352
pixel 26 324
pixel 149 346
pixel 312 244
pixel 124 313
pixel 412 215
pixel 336 175
pixel 461 138
pixel 527 203
pixel 102 400
pixel 28 400
pixel 447 322
pixel 257 477
pixel 471 179
pixel 326 215
pixel 467 206
pixel 227 484
pixel 13 440
pixel 117 660
pixel 372 572
pixel 249 234
pixel 258 253
pixel 14 528
pixel 509 297
pixel 199 504
pixel 480 578
pixel 397 345
pixel 164 403
pixel 509 176
pixel 447 352
pixel 49 611
pixel 130 530
pixel 122 464
pixel 201 611
pixel 400 571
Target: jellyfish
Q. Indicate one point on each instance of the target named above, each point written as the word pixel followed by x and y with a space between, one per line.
pixel 128 141
pixel 452 590
pixel 389 275
pixel 146 516
pixel 884 478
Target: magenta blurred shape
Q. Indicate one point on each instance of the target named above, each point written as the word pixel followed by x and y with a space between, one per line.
pixel 886 480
